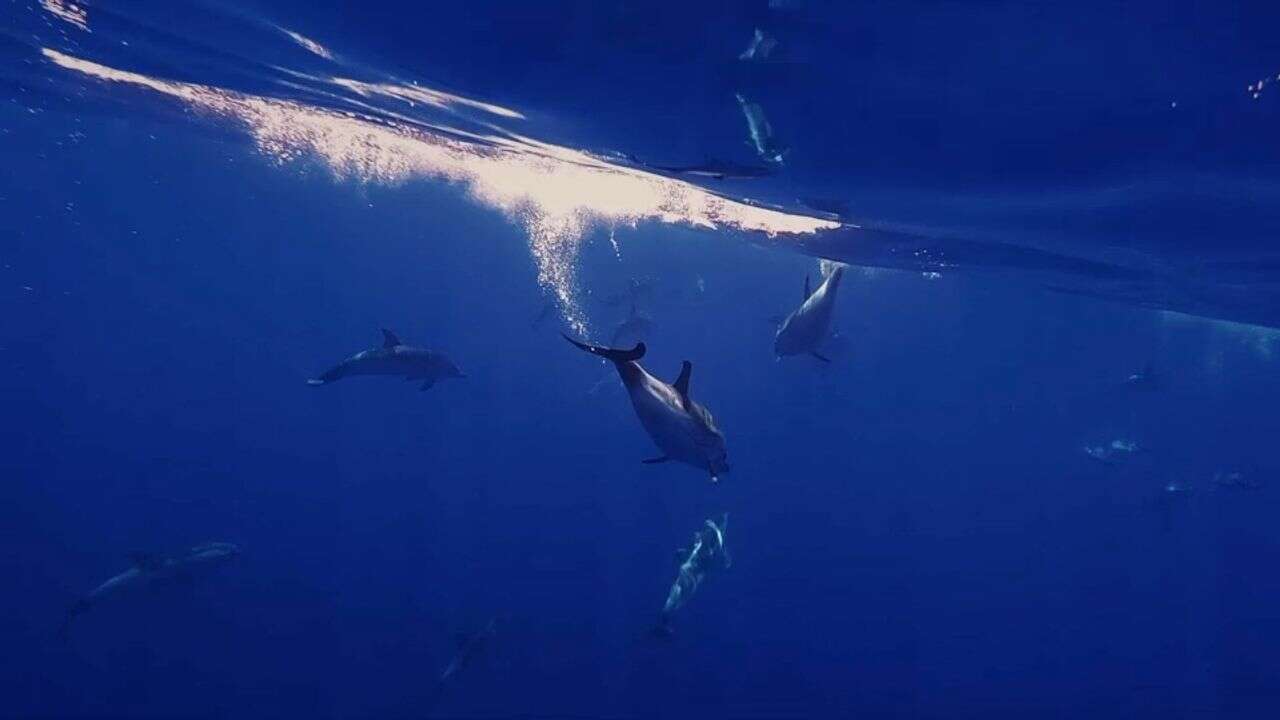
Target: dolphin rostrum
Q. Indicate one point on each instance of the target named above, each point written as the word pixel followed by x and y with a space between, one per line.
pixel 805 330
pixel 707 553
pixel 681 428
pixel 155 570
pixel 394 358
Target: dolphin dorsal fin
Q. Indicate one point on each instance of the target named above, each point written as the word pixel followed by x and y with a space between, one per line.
pixel 145 561
pixel 389 339
pixel 806 288
pixel 682 382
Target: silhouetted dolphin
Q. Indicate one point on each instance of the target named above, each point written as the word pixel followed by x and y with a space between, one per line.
pixel 634 329
pixel 155 570
pixel 805 330
pixel 718 170
pixel 394 358
pixel 680 427
pixel 706 554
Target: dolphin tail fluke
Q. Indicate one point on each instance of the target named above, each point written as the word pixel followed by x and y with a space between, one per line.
pixel 617 356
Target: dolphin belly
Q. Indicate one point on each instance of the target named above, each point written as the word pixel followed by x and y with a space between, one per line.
pixel 670 427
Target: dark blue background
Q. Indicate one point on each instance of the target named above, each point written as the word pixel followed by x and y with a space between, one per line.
pixel 915 529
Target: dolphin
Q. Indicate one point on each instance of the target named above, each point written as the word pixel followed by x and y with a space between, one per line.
pixel 805 330
pixel 707 553
pixel 1113 453
pixel 154 570
pixel 761 132
pixel 718 170
pixel 681 428
pixel 638 290
pixel 548 309
pixel 761 47
pixel 1147 379
pixel 394 358
pixel 470 646
pixel 634 329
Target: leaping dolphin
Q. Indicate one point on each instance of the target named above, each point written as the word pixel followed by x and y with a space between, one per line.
pixel 805 330
pixel 394 358
pixel 706 554
pixel 681 428
pixel 154 570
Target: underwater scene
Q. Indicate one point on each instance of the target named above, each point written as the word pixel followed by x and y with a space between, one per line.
pixel 633 359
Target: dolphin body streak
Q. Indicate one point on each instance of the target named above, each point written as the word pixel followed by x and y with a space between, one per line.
pixel 469 648
pixel 394 358
pixel 717 170
pixel 805 330
pixel 153 570
pixel 707 553
pixel 681 428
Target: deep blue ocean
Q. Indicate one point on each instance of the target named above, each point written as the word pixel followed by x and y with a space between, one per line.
pixel 1033 474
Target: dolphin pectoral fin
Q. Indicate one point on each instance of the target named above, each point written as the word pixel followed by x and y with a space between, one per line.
pixel 655 461
pixel 823 359
pixel 426 385
pixel 389 339
pixel 682 382
pixel 806 287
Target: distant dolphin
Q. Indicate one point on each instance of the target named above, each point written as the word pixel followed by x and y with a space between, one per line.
pixel 805 330
pixel 469 648
pixel 394 358
pixel 761 47
pixel 707 553
pixel 634 329
pixel 155 570
pixel 1147 379
pixel 761 132
pixel 639 290
pixel 548 309
pixel 680 427
pixel 718 170
pixel 1114 452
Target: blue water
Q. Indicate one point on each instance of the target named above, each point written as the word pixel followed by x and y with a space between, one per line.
pixel 200 213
